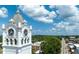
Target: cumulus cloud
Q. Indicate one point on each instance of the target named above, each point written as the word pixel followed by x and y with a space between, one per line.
pixel 67 27
pixel 73 19
pixel 53 29
pixel 38 13
pixel 66 10
pixel 61 25
pixel 70 15
pixel 3 12
pixel 64 25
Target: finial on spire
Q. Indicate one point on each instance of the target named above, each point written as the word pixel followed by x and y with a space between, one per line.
pixel 3 26
pixel 17 11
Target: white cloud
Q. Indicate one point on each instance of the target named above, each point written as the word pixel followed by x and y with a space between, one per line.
pixel 3 12
pixel 53 29
pixel 62 25
pixel 52 6
pixel 66 10
pixel 70 15
pixel 44 19
pixel 73 19
pixel 38 13
pixel 66 26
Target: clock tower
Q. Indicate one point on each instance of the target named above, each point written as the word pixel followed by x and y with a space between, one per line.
pixel 17 36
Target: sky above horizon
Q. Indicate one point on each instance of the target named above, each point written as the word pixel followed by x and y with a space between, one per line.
pixel 45 19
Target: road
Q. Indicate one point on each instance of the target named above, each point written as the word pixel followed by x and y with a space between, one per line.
pixel 64 49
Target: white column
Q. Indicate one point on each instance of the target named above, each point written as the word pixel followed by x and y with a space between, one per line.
pixel 30 39
pixel 30 35
pixel 9 43
pixel 3 37
pixel 3 34
pixel 19 34
pixel 19 38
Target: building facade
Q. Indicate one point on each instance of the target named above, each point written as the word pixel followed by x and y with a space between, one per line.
pixel 17 36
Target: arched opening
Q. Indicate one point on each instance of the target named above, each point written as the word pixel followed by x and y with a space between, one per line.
pixel 15 41
pixel 28 40
pixel 7 41
pixel 11 41
pixel 25 40
pixel 22 41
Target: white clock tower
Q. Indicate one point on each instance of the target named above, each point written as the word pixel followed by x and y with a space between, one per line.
pixel 17 36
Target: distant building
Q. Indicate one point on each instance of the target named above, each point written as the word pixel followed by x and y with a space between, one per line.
pixel 71 38
pixel 77 49
pixel 37 47
pixel 17 36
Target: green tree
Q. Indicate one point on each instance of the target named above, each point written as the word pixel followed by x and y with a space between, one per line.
pixel 52 45
pixel 1 38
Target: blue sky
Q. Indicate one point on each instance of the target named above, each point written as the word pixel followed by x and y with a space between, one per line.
pixel 45 19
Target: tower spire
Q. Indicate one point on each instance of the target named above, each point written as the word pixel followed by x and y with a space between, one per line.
pixel 18 17
pixel 18 11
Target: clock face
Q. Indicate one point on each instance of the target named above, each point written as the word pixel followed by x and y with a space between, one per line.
pixel 25 32
pixel 11 32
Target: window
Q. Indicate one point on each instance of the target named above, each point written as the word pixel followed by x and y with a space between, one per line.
pixel 11 41
pixel 22 41
pixel 28 40
pixel 15 41
pixel 7 41
pixel 25 40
